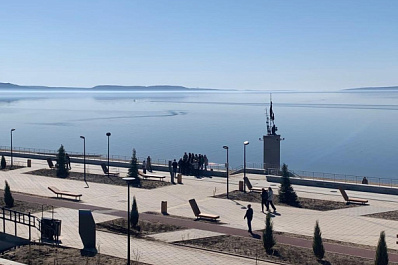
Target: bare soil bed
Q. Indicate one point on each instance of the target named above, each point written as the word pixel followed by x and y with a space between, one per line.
pixel 46 255
pixel 97 178
pixel 305 203
pixel 253 248
pixel 26 207
pixel 144 227
pixel 391 215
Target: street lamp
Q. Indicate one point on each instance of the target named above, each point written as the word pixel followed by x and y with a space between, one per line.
pixel 244 164
pixel 108 134
pixel 227 166
pixel 84 159
pixel 11 145
pixel 128 180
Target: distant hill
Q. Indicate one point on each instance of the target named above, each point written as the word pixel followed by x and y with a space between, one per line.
pixel 105 88
pixel 375 88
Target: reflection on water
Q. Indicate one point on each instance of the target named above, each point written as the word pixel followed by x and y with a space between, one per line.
pixel 346 132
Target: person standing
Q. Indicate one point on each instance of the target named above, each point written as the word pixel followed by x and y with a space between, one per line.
pixel 205 161
pixel 249 217
pixel 144 166
pixel 67 158
pixel 148 164
pixel 264 200
pixel 270 199
pixel 174 164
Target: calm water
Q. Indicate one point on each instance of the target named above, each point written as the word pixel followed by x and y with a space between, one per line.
pixel 345 132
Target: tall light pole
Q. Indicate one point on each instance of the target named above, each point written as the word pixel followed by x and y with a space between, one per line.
pixel 244 164
pixel 84 159
pixel 227 166
pixel 11 146
pixel 128 180
pixel 108 134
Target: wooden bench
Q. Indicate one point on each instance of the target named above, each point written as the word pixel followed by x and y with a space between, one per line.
pixel 65 193
pixel 151 176
pixel 250 187
pixel 50 163
pixel 106 171
pixel 348 199
pixel 198 214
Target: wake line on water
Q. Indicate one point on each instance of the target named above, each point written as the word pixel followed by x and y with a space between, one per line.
pixel 295 105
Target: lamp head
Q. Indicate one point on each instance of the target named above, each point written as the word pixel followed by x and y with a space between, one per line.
pixel 246 142
pixel 108 134
pixel 12 130
pixel 225 147
pixel 82 137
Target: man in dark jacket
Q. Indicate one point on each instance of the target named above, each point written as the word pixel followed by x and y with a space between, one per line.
pixel 264 199
pixel 249 217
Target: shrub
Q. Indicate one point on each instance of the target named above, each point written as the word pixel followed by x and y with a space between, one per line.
pixel 317 244
pixel 268 235
pixel 134 215
pixel 286 193
pixel 133 170
pixel 381 251
pixel 3 162
pixel 62 169
pixel 8 199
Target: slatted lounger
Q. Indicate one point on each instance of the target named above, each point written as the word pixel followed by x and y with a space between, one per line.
pixel 105 169
pixel 150 176
pixel 348 199
pixel 198 214
pixel 250 187
pixel 65 193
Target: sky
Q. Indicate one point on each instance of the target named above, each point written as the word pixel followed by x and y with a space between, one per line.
pixel 304 45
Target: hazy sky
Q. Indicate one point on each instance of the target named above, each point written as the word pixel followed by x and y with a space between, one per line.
pixel 268 44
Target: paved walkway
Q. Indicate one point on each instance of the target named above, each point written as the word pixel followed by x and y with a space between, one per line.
pixel 109 201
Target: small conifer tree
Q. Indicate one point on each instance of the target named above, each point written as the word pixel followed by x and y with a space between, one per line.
pixel 3 162
pixel 8 199
pixel 133 170
pixel 268 235
pixel 317 244
pixel 286 193
pixel 381 251
pixel 134 215
pixel 62 169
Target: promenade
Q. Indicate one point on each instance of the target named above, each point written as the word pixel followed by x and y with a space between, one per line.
pixel 109 202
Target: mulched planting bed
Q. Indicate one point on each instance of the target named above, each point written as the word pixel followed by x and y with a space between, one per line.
pixel 26 207
pixel 305 203
pixel 45 254
pixel 145 228
pixel 97 178
pixel 253 248
pixel 391 215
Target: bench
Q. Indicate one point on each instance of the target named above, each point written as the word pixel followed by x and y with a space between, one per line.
pixel 250 187
pixel 106 171
pixel 65 193
pixel 198 214
pixel 151 176
pixel 348 199
pixel 50 163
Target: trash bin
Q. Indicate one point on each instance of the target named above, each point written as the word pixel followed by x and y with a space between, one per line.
pixel 179 178
pixel 50 228
pixel 241 185
pixel 29 163
pixel 164 207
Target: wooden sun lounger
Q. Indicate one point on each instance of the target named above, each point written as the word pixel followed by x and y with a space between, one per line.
pixel 151 176
pixel 250 187
pixel 65 193
pixel 105 169
pixel 50 163
pixel 198 214
pixel 348 199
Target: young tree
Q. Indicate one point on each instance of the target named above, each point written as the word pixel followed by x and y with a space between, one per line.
pixel 317 245
pixel 268 235
pixel 62 169
pixel 133 170
pixel 381 251
pixel 134 215
pixel 8 199
pixel 286 193
pixel 3 162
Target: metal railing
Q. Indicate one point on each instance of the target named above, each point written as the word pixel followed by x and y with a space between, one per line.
pixel 19 218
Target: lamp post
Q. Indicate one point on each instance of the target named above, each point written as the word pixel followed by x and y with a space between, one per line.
pixel 227 166
pixel 84 159
pixel 244 164
pixel 128 180
pixel 11 146
pixel 108 134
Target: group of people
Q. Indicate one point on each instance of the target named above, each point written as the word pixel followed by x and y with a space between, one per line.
pixel 147 165
pixel 192 164
pixel 267 197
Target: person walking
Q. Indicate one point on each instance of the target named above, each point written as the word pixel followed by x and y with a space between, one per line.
pixel 249 217
pixel 264 199
pixel 270 199
pixel 174 164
